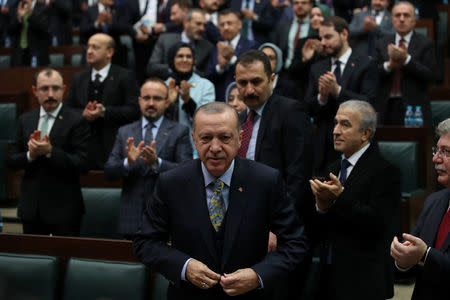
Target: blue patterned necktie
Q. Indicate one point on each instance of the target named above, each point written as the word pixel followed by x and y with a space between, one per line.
pixel 217 205
pixel 344 165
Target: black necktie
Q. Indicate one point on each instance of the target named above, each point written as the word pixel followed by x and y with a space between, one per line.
pixel 97 81
pixel 344 165
pixel 337 71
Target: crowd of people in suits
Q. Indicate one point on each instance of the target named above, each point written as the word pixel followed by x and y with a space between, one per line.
pixel 309 82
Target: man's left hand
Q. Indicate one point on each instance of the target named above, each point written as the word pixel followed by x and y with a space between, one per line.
pixel 329 83
pixel 408 253
pixel 149 156
pixel 239 282
pixel 326 192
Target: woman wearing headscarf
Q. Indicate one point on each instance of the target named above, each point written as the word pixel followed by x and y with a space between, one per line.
pixel 187 90
pixel 233 98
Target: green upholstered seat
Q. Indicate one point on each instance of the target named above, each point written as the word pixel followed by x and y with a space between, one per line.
pixel 29 276
pixel 440 110
pixel 89 279
pixel 160 285
pixel 56 60
pixel 101 219
pixel 5 61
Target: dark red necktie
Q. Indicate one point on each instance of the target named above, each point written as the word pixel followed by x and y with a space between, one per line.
pixel 297 34
pixel 247 129
pixel 444 229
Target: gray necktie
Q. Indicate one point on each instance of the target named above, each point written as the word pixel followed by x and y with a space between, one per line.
pixel 149 134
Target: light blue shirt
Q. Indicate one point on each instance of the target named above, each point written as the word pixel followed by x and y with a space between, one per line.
pixel 304 29
pixel 256 122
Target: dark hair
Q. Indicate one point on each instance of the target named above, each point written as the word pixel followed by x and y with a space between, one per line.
pixel 338 23
pixel 47 72
pixel 228 11
pixel 252 56
pixel 182 3
pixel 157 80
pixel 191 11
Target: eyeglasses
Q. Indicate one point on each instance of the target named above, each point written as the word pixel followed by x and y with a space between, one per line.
pixel 442 153
pixel 154 98
pixel 46 88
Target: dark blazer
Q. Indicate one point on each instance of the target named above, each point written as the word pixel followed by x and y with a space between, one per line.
pixel 38 35
pixel 432 278
pixel 284 143
pixel 359 81
pixel 416 76
pixel 268 17
pixel 61 21
pixel 159 61
pixel 221 81
pixel 362 40
pixel 257 205
pixel 359 228
pixel 50 189
pixel 120 98
pixel 173 146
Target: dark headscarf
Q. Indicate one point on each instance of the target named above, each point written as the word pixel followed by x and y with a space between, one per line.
pixel 171 54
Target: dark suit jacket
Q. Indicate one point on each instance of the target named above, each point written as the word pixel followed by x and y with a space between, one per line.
pixel 268 17
pixel 50 189
pixel 257 205
pixel 173 146
pixel 221 81
pixel 359 81
pixel 359 228
pixel 61 21
pixel 416 76
pixel 38 35
pixel 432 278
pixel 284 143
pixel 159 61
pixel 120 98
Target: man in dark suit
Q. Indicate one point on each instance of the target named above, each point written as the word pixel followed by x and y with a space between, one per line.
pixel 427 249
pixel 194 27
pixel 30 34
pixel 61 21
pixel 217 212
pixel 406 62
pixel 106 95
pixel 51 145
pixel 220 68
pixel 356 211
pixel 5 18
pixel 344 75
pixel 139 156
pixel 370 25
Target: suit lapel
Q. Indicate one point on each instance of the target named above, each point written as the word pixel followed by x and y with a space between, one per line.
pixel 110 81
pixel 433 222
pixel 265 120
pixel 236 210
pixel 58 127
pixel 360 165
pixel 84 87
pixel 31 126
pixel 349 67
pixel 163 135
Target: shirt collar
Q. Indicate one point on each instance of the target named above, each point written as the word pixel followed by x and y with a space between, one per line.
pixel 357 155
pixel 344 57
pixel 259 110
pixel 156 124
pixel 184 38
pixel 407 37
pixel 103 72
pixel 304 21
pixel 226 177
pixel 235 41
pixel 53 113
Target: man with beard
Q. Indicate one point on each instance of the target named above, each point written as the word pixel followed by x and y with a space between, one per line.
pixel 51 145
pixel 344 75
pixel 142 150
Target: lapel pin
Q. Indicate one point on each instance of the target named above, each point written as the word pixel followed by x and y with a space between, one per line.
pixel 353 65
pixel 60 117
pixel 193 84
pixel 240 189
pixel 111 78
pixel 166 134
pixel 257 1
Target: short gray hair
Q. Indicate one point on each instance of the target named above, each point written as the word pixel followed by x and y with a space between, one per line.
pixel 217 108
pixel 443 128
pixel 368 114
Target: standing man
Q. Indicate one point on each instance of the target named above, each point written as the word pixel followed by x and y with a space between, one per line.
pixel 427 248
pixel 222 59
pixel 356 211
pixel 370 25
pixel 406 62
pixel 105 95
pixel 51 145
pixel 219 228
pixel 344 75
pixel 142 150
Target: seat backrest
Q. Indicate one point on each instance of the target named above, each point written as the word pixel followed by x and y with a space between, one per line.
pixel 404 155
pixel 5 61
pixel 160 285
pixel 8 118
pixel 101 219
pixel 90 279
pixel 57 60
pixel 30 276
pixel 440 110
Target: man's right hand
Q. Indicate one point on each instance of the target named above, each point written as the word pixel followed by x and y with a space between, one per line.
pixel 200 275
pixel 133 152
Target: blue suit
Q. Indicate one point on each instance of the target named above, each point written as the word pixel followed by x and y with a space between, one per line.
pixel 172 146
pixel 432 278
pixel 221 81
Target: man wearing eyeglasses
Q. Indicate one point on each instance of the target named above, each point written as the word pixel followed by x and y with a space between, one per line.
pixel 427 248
pixel 142 150
pixel 51 145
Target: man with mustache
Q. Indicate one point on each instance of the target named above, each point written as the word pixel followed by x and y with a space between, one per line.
pixel 276 131
pixel 344 75
pixel 217 212
pixel 144 149
pixel 356 211
pixel 51 145
pixel 427 249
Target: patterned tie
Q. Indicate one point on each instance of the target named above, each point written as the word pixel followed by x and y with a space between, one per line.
pixel 44 125
pixel 217 205
pixel 247 129
pixel 244 30
pixel 148 134
pixel 444 229
pixel 396 80
pixel 337 71
pixel 344 165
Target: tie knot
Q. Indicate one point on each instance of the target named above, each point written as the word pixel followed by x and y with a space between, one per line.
pixel 344 164
pixel 300 22
pixel 251 115
pixel 149 125
pixel 98 77
pixel 218 185
pixel 337 63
